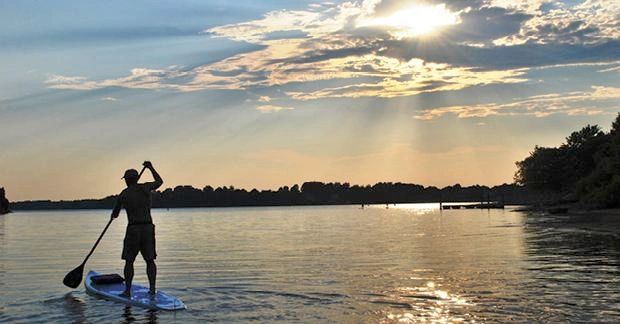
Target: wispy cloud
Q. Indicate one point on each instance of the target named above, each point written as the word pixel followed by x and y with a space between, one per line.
pixel 593 21
pixel 139 78
pixel 264 99
pixel 272 108
pixel 395 78
pixel 69 82
pixel 573 103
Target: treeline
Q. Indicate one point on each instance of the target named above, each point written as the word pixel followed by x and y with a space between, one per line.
pixel 584 169
pixel 310 193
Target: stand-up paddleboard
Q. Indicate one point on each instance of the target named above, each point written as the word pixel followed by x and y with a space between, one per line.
pixel 139 295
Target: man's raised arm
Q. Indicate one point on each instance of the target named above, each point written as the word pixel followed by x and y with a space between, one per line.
pixel 158 180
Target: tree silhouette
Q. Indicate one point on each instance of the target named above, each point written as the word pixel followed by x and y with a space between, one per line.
pixel 585 168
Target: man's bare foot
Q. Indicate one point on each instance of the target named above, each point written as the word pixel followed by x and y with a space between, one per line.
pixel 126 294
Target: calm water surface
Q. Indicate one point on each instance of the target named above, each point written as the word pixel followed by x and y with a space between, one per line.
pixel 408 263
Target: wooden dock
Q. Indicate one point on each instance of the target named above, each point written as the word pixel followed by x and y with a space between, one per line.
pixel 489 205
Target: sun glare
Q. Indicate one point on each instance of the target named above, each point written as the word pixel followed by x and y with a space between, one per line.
pixel 415 21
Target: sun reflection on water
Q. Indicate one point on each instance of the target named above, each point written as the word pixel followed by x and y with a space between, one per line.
pixel 428 303
pixel 417 208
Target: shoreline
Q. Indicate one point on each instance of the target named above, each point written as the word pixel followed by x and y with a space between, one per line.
pixel 265 205
pixel 572 211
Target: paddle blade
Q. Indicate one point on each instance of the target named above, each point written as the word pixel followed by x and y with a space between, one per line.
pixel 74 278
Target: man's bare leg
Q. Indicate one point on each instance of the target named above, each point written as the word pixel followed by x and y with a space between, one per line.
pixel 151 272
pixel 128 278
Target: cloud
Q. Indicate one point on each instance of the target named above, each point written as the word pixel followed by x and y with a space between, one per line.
pixel 69 82
pixel 611 69
pixel 329 41
pixel 591 22
pixel 572 104
pixel 528 6
pixel 264 99
pixel 500 57
pixel 139 78
pixel 397 78
pixel 272 108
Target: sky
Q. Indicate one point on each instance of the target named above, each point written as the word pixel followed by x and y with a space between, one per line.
pixel 260 94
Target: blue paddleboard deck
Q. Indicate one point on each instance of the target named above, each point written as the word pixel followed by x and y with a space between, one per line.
pixel 139 295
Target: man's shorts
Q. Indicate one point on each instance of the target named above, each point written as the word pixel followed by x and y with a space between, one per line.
pixel 139 238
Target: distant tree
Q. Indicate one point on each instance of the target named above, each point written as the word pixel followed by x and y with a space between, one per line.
pixel 559 170
pixel 601 188
pixel 615 127
pixel 312 193
pixel 4 202
pixel 542 170
pixel 579 151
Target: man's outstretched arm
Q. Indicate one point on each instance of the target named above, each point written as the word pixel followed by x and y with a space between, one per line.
pixel 117 207
pixel 158 180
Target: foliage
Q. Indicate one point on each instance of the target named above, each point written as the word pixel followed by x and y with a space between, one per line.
pixel 310 193
pixel 601 188
pixel 542 170
pixel 586 167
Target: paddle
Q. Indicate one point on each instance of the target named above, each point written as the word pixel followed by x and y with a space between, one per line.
pixel 74 278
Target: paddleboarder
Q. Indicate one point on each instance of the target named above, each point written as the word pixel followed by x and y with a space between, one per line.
pixel 140 233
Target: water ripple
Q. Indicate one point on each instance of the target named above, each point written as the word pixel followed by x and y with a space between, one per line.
pixel 323 264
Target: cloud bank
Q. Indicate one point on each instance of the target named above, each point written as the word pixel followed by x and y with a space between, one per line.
pixel 573 103
pixel 357 43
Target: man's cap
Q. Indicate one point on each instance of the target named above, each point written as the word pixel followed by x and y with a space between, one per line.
pixel 130 174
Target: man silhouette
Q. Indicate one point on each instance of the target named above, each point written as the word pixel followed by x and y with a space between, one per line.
pixel 140 233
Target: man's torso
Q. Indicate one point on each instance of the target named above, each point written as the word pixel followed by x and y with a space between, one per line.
pixel 136 200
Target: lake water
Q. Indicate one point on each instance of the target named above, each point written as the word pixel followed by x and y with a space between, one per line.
pixel 408 263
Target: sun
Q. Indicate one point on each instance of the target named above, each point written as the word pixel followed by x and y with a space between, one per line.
pixel 414 21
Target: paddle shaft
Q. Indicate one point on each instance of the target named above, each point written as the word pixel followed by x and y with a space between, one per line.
pixel 98 240
pixel 105 229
